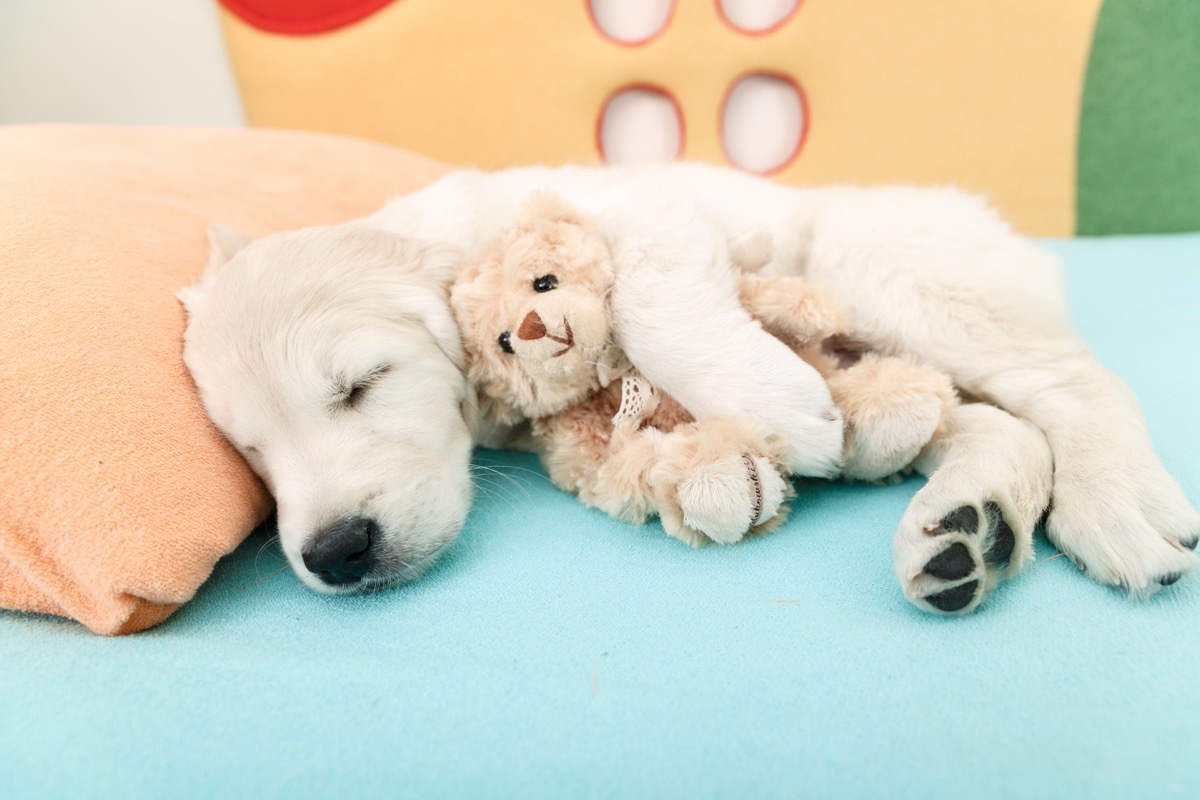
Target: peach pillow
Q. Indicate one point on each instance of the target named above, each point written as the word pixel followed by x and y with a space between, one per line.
pixel 117 496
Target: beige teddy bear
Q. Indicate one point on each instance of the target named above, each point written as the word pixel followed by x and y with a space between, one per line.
pixel 532 309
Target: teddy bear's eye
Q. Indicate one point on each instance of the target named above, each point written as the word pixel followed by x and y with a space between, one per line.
pixel 545 283
pixel 505 341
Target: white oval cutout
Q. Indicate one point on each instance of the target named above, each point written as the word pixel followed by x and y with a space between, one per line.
pixel 757 16
pixel 631 21
pixel 762 123
pixel 640 126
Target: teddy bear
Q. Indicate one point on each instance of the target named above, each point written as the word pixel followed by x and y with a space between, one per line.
pixel 532 306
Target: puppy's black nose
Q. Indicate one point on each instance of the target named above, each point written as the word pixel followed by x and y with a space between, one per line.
pixel 341 553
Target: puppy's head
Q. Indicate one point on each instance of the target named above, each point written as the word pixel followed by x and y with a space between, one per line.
pixel 532 308
pixel 329 359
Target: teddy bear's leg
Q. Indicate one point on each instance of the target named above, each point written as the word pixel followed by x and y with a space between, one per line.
pixel 893 408
pixel 971 526
pixel 713 480
pixel 714 499
pixel 718 478
pixel 606 468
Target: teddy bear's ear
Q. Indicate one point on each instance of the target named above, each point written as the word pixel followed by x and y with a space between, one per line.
pixel 547 206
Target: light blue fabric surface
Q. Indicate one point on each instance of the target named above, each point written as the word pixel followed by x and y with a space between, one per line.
pixel 556 653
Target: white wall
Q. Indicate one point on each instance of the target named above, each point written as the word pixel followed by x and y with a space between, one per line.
pixel 115 61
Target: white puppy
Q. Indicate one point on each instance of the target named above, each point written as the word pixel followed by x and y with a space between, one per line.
pixel 930 273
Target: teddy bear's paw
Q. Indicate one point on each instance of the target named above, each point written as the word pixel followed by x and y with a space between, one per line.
pixel 893 408
pixel 727 497
pixel 890 441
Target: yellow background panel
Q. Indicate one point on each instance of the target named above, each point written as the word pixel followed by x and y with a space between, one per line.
pixel 984 94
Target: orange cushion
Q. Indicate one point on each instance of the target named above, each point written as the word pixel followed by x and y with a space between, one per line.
pixel 117 495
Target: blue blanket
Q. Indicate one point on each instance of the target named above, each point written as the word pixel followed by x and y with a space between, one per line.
pixel 556 653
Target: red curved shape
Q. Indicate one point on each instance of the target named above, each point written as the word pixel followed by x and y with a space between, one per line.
pixel 302 17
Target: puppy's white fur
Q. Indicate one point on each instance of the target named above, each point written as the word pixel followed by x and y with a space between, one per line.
pixel 933 274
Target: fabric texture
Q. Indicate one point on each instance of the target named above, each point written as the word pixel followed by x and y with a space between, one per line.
pixel 556 653
pixel 118 496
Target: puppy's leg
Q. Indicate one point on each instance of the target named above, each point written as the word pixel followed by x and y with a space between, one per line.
pixel 1117 513
pixel 987 307
pixel 677 316
pixel 971 526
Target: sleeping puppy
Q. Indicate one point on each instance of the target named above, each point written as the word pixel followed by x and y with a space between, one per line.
pixel 931 274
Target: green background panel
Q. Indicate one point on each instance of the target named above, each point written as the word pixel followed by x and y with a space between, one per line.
pixel 1139 141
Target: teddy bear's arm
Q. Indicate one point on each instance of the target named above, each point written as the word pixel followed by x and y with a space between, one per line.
pixel 791 309
pixel 893 407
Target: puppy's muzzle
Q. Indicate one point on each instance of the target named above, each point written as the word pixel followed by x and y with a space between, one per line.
pixel 341 554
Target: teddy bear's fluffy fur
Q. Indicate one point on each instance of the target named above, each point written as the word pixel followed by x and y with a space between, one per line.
pixel 532 306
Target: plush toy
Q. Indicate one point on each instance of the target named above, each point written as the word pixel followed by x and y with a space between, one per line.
pixel 532 307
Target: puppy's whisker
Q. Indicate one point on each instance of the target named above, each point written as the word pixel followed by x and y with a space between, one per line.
pixel 492 471
pixel 487 493
pixel 263 578
pixel 270 540
pixel 491 491
pixel 502 468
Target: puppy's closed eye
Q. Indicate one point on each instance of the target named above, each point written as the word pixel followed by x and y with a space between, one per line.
pixel 356 394
pixel 352 396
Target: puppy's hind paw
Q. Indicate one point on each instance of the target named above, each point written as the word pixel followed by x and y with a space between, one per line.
pixel 1135 531
pixel 949 565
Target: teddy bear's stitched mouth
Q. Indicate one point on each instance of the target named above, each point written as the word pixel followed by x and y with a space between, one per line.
pixel 569 341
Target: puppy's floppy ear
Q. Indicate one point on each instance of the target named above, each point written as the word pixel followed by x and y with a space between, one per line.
pixel 442 261
pixel 223 244
pixel 421 288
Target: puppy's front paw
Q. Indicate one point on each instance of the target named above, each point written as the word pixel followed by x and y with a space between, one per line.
pixel 728 497
pixel 1124 524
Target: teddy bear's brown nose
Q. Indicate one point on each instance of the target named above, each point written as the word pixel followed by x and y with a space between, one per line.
pixel 532 327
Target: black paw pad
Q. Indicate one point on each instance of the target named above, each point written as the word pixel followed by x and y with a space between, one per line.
pixel 964 519
pixel 1169 578
pixel 952 563
pixel 1004 541
pixel 954 599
